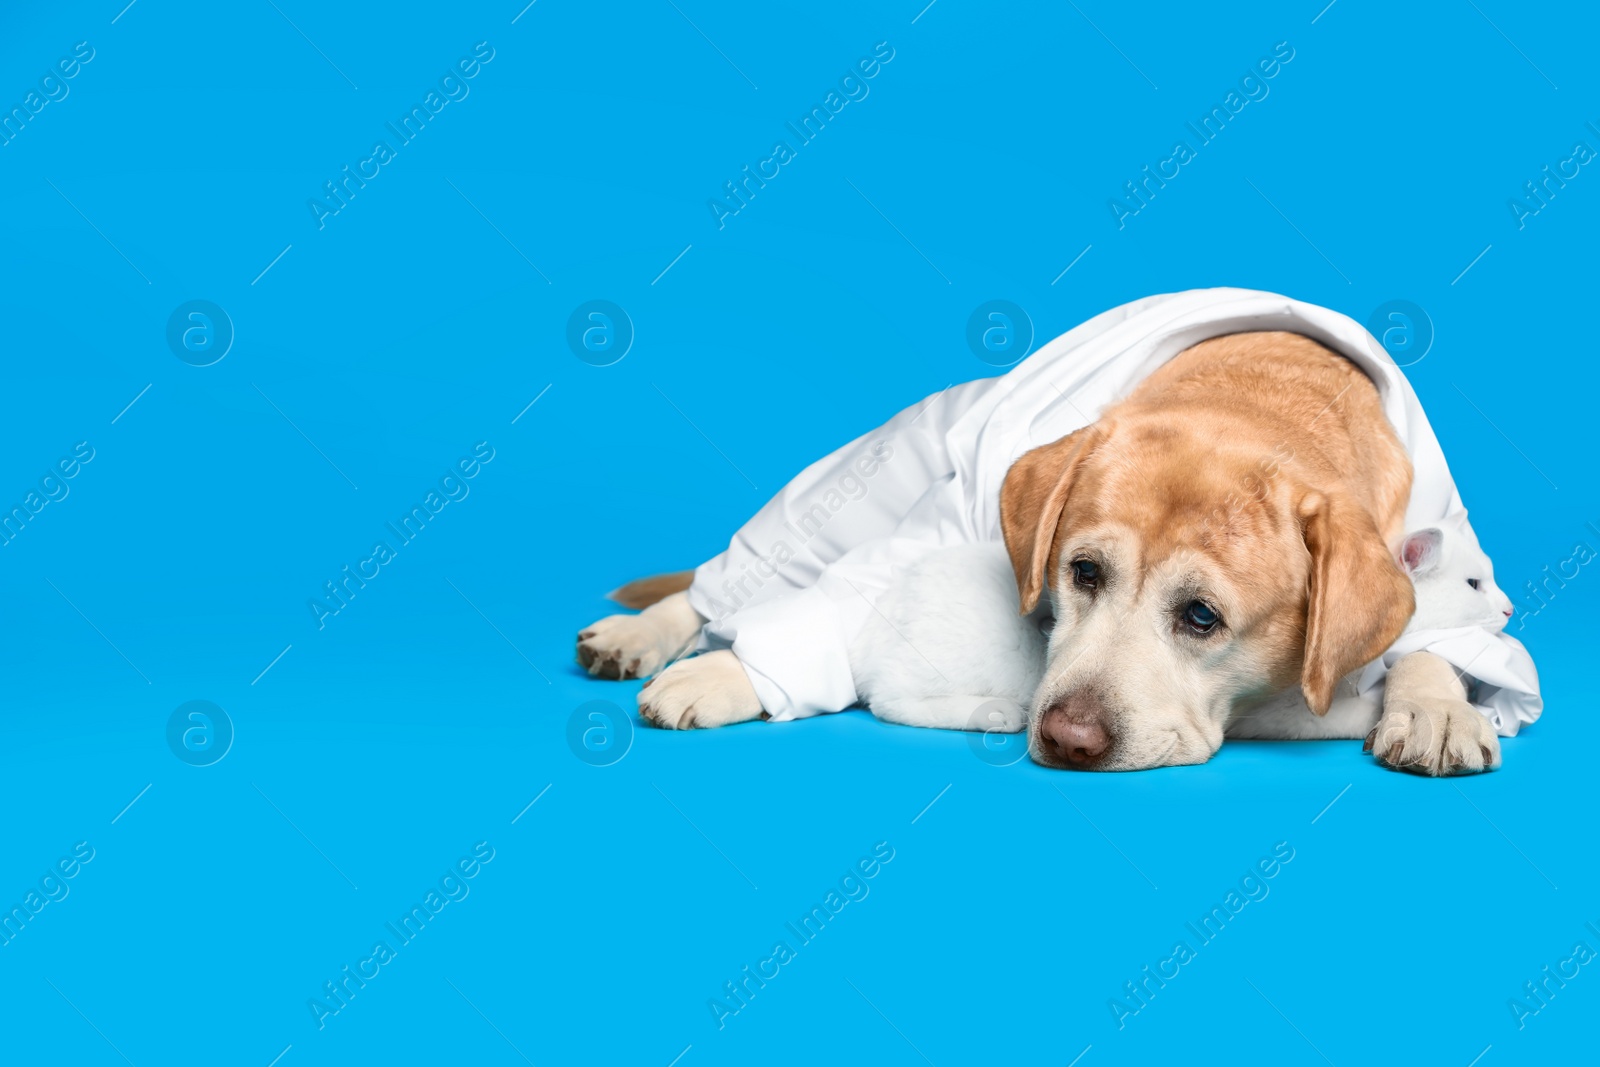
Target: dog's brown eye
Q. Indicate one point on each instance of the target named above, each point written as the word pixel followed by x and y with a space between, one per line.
pixel 1200 618
pixel 1086 573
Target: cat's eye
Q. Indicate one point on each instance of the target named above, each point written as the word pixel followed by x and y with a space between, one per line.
pixel 1473 582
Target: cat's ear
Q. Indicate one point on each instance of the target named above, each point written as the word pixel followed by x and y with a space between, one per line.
pixel 1421 551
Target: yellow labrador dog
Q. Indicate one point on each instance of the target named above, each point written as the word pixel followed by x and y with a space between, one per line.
pixel 1180 602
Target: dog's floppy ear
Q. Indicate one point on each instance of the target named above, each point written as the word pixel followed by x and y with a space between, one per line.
pixel 1032 498
pixel 1359 599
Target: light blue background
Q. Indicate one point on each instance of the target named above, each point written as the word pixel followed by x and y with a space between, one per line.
pixel 424 718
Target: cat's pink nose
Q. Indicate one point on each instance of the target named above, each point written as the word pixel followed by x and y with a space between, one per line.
pixel 1509 611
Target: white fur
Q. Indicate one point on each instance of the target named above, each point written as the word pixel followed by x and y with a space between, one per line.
pixel 1443 563
pixel 946 647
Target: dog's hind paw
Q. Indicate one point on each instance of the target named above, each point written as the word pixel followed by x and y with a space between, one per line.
pixel 1434 736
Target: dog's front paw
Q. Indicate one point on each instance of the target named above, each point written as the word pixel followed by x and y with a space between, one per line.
pixel 623 646
pixel 1434 736
pixel 708 690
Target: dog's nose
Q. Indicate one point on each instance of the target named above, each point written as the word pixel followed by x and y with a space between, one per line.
pixel 1074 737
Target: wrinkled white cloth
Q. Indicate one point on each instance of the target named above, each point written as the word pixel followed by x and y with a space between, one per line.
pixel 799 579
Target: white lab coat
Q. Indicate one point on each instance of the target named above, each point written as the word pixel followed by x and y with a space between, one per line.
pixel 798 580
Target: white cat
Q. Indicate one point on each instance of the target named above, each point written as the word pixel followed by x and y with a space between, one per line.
pixel 1454 581
pixel 947 648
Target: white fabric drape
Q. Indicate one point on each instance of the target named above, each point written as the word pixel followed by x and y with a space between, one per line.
pixel 799 579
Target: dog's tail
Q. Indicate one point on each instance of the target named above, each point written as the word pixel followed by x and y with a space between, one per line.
pixel 643 592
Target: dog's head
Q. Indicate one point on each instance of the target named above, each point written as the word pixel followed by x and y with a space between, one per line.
pixel 1188 573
